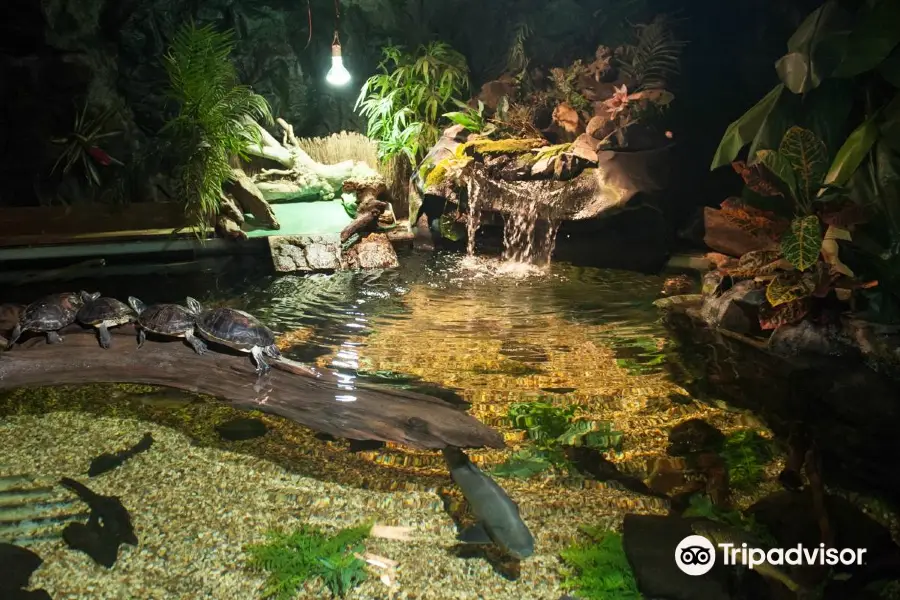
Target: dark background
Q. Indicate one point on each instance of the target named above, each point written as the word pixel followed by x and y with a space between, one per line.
pixel 56 53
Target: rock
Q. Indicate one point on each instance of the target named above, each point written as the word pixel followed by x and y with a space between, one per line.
pixel 9 317
pixel 733 310
pixel 251 200
pixel 650 542
pixel 791 519
pixel 585 147
pixel 724 236
pixel 305 252
pixel 16 566
pixel 374 251
pixel 879 343
pixel 677 286
pixel 600 126
pixel 694 435
pixel 807 337
pixel 567 118
pixel 681 477
pixel 493 91
pixel 242 428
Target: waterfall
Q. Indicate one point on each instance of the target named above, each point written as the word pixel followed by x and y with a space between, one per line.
pixel 528 237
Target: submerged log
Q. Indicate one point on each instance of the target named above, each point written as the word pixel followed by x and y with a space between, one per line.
pixel 318 400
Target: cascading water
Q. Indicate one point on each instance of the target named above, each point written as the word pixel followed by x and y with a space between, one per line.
pixel 528 235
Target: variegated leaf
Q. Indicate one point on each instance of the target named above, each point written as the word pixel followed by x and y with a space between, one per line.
pixel 801 244
pixel 808 158
pixel 786 314
pixel 787 287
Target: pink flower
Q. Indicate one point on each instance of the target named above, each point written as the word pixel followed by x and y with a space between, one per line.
pixel 618 101
pixel 100 156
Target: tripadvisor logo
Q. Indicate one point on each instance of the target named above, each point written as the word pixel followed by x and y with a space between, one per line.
pixel 696 555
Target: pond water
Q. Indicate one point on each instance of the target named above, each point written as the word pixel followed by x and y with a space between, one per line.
pixel 571 365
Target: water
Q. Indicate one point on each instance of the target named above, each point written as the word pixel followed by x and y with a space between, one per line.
pixel 492 333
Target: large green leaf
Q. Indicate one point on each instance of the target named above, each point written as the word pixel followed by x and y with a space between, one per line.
pixel 826 111
pixel 808 158
pixel 742 131
pixel 815 48
pixel 780 166
pixel 889 128
pixel 890 67
pixel 801 244
pixel 872 40
pixel 852 153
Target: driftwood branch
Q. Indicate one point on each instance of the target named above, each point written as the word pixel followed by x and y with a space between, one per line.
pixel 319 401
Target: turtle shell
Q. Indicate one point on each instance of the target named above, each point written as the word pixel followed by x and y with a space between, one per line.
pixel 52 312
pixel 105 309
pixel 235 329
pixel 167 319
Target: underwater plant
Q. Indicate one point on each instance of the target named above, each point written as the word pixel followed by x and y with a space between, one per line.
pixel 404 102
pixel 702 506
pixel 598 569
pixel 551 428
pixel 745 454
pixel 215 119
pixel 308 553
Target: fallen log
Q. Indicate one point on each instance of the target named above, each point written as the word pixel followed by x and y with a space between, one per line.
pixel 319 400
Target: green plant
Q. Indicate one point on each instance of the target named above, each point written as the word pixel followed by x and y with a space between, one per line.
pixel 702 506
pixel 307 553
pixel 746 453
pixel 471 118
pixel 403 103
pixel 655 57
pixel 82 145
pixel 214 120
pixel 550 428
pixel 598 568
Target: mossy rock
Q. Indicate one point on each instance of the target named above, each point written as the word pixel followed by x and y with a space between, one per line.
pixel 507 146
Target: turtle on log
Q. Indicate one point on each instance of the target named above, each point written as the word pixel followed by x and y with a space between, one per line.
pixel 172 320
pixel 238 330
pixel 48 315
pixel 103 313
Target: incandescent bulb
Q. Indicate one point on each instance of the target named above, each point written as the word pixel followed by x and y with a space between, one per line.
pixel 337 74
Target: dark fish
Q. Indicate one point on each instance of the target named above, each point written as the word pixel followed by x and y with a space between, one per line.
pixel 108 527
pixel 242 428
pixel 107 462
pixel 498 520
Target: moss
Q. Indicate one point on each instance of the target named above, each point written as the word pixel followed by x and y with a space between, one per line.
pixel 507 146
pixel 442 170
pixel 598 569
pixel 292 559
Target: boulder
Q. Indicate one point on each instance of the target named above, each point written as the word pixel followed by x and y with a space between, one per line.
pixel 649 542
pixel 736 309
pixel 807 337
pixel 305 252
pixel 568 120
pixel 493 92
pixel 585 147
pixel 374 251
pixel 600 126
pixel 694 435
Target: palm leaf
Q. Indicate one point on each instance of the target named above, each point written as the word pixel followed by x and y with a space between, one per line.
pixel 655 58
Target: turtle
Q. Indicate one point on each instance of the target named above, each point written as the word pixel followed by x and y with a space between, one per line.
pixel 171 320
pixel 236 329
pixel 103 313
pixel 48 315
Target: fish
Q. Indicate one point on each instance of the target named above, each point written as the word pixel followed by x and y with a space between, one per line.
pixel 719 533
pixel 107 462
pixel 498 519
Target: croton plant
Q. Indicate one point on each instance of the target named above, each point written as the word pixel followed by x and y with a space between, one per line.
pixel 801 262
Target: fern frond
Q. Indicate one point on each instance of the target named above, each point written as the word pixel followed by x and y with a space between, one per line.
pixel 656 57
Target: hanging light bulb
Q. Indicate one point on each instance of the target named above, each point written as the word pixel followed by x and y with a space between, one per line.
pixel 338 74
